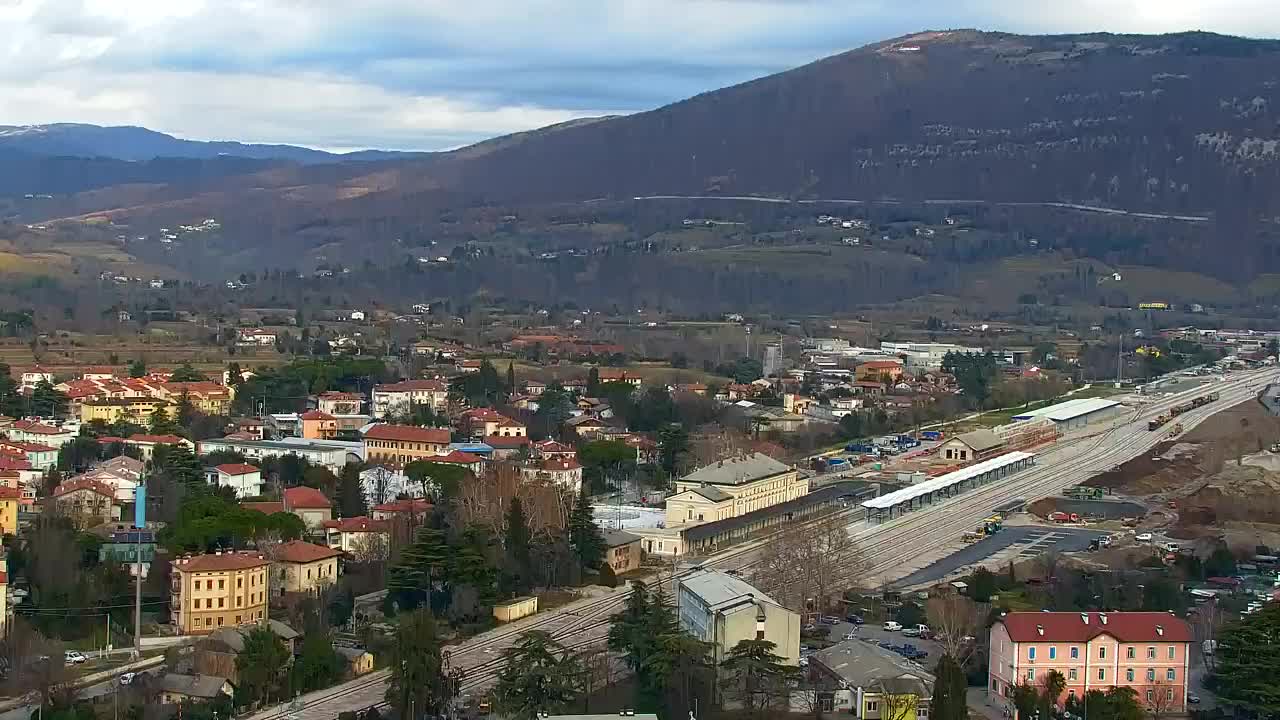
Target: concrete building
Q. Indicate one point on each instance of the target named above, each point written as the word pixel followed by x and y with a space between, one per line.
pixel 30 431
pixel 772 360
pixel 332 454
pixel 245 479
pixel 723 610
pixel 309 504
pixel 733 487
pixel 361 536
pixel 866 681
pixel 622 551
pixel 1074 414
pixel 86 501
pixel 402 444
pixel 177 689
pixel 399 398
pixel 1147 651
pixel 318 425
pixel 218 589
pixel 972 446
pixel 111 410
pixel 924 356
pixel 299 566
pixel 339 403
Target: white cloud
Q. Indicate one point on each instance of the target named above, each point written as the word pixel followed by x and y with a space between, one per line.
pixel 423 74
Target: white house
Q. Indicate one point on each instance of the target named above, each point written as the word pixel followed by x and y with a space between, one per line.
pixel 246 480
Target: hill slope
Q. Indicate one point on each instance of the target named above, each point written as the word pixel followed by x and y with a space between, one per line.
pixel 1182 122
pixel 141 144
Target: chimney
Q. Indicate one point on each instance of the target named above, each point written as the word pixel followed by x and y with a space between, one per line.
pixel 1084 617
pixel 1102 617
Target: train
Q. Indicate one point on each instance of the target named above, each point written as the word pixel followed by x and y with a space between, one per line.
pixel 1173 412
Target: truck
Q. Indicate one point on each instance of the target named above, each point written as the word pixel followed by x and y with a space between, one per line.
pixel 1084 492
pixel 931 435
pixel 1064 517
pixel 906 441
pixel 864 448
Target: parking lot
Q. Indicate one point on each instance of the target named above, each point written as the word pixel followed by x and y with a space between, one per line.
pixel 1015 544
pixel 873 631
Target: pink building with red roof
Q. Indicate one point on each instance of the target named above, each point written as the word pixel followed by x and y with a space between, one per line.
pixel 1147 651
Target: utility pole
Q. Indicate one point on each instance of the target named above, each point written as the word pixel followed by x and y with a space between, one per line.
pixel 1119 359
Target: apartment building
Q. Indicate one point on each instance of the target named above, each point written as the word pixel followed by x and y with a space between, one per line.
pixel 304 567
pixel 402 444
pixel 218 589
pixel 399 398
pixel 339 403
pixel 111 410
pixel 1147 651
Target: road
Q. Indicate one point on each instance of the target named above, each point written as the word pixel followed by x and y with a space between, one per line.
pixel 895 549
pixel 1026 541
pixel 833 201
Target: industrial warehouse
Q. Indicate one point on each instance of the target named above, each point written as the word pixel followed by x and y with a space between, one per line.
pixel 1074 414
pixel 894 504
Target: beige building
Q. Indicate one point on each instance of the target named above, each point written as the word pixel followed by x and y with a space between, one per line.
pixel 300 566
pixel 110 410
pixel 622 551
pixel 971 446
pixel 402 444
pixel 218 589
pixel 723 610
pixel 399 398
pixel 733 487
pixel 86 501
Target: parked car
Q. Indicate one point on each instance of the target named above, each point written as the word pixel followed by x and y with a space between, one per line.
pixel 910 632
pixel 1193 699
pixel 127 678
pixel 855 619
pixel 73 657
pixel 809 627
pixel 830 620
pixel 891 626
pixel 1143 537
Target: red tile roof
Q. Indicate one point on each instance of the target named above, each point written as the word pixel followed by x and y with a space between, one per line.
pixel 10 462
pixel 217 562
pixel 71 486
pixel 881 364
pixel 315 415
pixel 1072 627
pixel 457 457
pixel 156 439
pixel 298 551
pixel 10 493
pixel 237 469
pixel 29 446
pixel 305 498
pixel 404 505
pixel 410 385
pixel 267 508
pixel 559 464
pixel 36 428
pixel 408 433
pixel 358 524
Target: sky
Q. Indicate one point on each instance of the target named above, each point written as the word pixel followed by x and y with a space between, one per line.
pixel 437 74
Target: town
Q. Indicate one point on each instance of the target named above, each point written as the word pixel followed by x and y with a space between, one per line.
pixel 905 529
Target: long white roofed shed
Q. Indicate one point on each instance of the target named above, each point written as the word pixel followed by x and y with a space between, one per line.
pixel 953 483
pixel 1075 413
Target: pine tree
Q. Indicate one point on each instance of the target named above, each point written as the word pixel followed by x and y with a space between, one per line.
pixel 593 382
pixel 519 547
pixel 47 401
pixel 186 411
pixel 180 464
pixel 351 502
pixel 584 534
pixel 11 403
pixel 511 377
pixel 627 633
pixel 423 569
pixel 161 423
pixel 949 691
pixel 137 369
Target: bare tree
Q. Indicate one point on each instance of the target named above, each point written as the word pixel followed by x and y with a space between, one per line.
pixel 954 619
pixel 896 703
pixel 1206 625
pixel 370 547
pixel 1161 699
pixel 378 484
pixel 807 564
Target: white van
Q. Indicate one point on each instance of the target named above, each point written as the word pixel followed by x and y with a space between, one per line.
pixel 891 626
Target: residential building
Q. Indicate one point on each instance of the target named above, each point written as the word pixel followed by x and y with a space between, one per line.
pixel 339 403
pixel 30 431
pixel 10 499
pixel 474 463
pixel 971 446
pixel 146 444
pixel 723 610
pixel 1149 652
pixel 403 444
pixel 399 398
pixel 622 551
pixel 866 681
pixel 552 448
pixel 309 504
pixel 318 425
pixel 360 536
pixel 245 479
pixel 38 456
pixel 772 360
pixel 256 336
pixel 565 472
pixel 505 447
pixel 177 689
pixel 300 566
pixel 586 427
pixel 404 507
pixel 608 375
pixel 925 356
pixel 483 422
pixel 732 487
pixel 208 397
pixel 878 369
pixel 358 661
pixel 29 379
pixel 86 501
pixel 218 589
pixel 137 410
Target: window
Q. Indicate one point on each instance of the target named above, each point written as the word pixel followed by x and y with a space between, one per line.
pixel 872 706
pixel 222 584
pixel 237 619
pixel 1168 694
pixel 1173 652
pixel 1128 675
pixel 1169 674
pixel 1072 674
pixel 239 600
pixel 1031 675
pixel 1102 653
pixel 239 582
pixel 1149 695
pixel 1151 653
pixel 1102 674
pixel 208 622
pixel 221 602
pixel 197 584
pixel 995 684
pixel 219 621
pixel 1131 652
pixel 1031 653
pixel 1053 653
pixel 1151 675
pixel 1071 693
pixel 208 603
pixel 1075 653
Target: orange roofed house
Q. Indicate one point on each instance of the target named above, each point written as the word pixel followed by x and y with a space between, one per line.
pixel 86 501
pixel 484 422
pixel 1147 651
pixel 399 398
pixel 361 536
pixel 309 504
pixel 301 566
pixel 318 425
pixel 217 590
pixel 402 444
